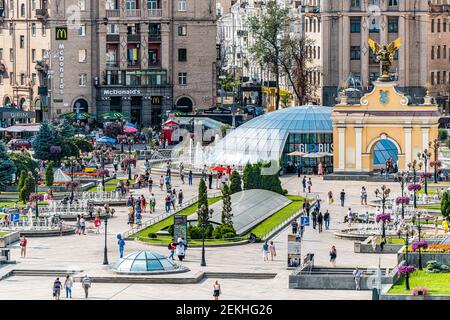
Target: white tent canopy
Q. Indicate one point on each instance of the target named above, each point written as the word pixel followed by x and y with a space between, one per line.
pixel 60 176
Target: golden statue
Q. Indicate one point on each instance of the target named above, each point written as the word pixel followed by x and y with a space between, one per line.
pixel 385 55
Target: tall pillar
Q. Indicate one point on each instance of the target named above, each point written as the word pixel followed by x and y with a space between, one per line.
pixel 358 149
pixel 408 146
pixel 365 54
pixel 403 58
pixel 425 137
pixel 423 47
pixel 341 131
pixel 345 47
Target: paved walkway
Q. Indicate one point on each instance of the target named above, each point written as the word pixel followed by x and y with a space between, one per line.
pixel 86 253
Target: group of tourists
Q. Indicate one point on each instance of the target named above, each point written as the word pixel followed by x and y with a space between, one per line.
pixel 68 286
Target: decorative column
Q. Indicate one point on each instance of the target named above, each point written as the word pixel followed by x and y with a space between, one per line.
pixel 358 148
pixel 341 138
pixel 408 146
pixel 365 53
pixel 425 137
pixel 345 47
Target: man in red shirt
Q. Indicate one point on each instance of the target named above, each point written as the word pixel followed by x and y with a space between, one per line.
pixel 23 247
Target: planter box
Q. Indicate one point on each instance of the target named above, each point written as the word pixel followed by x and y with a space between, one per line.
pixel 9 239
pixel 413 258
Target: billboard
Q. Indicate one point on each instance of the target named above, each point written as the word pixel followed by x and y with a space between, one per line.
pixel 294 251
pixel 179 227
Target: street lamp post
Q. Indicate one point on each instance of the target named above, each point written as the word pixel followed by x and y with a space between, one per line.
pixel 105 253
pixel 425 156
pixel 37 194
pixel 419 231
pixel 414 166
pixel 383 195
pixel 103 172
pixel 406 229
pixel 204 213
pixel 402 179
pixel 435 146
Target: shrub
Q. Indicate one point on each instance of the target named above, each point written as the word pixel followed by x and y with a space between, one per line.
pixel 224 231
pixel 228 235
pixel 152 235
pixel 194 232
pixel 209 231
pixel 49 175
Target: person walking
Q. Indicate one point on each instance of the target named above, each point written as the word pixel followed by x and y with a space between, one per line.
pixel 82 225
pixel 326 219
pixel 342 197
pixel 333 256
pixel 23 246
pixel 180 250
pixel 320 221
pixel 330 197
pixel 294 226
pixel 314 218
pixel 349 217
pixel 97 223
pixel 210 180
pixel 167 202
pixel 121 244
pixel 190 175
pixel 86 284
pixel 272 250
pixel 180 198
pixel 152 203
pixel 363 196
pixel 161 183
pixel 171 248
pixel 373 242
pixel 68 284
pixel 150 184
pixel 265 251
pixel 57 289
pixel 309 185
pixel 304 184
pixel 216 290
pixel 357 278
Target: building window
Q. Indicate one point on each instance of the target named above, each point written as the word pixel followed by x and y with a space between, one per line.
pixel 112 28
pixel 439 25
pixel 22 10
pixel 22 79
pixel 11 28
pixel 82 55
pixel 1 79
pixel 82 80
pixel 181 5
pixel 355 3
pixel 438 80
pixel 33 55
pixel 11 54
pixel 130 4
pixel 444 25
pixel 374 26
pixel 152 4
pixel 44 30
pixel 1 53
pixel 432 25
pixel 444 52
pixel 432 78
pixel 393 25
pixel 33 29
pixel 22 42
pixel 355 53
pixel 393 3
pixel 182 55
pixel 438 55
pixel 11 78
pixel 182 78
pixel 355 25
pixel 444 77
pixel 432 52
pixel 82 30
pixel 182 30
pixel 33 79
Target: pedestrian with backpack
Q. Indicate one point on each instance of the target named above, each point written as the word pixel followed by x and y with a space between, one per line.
pixel 171 248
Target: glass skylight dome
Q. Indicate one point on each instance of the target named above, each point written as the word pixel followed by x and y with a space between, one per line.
pixel 146 262
pixel 263 138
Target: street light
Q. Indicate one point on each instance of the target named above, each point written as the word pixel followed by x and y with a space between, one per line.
pixel 383 195
pixel 425 156
pixel 105 254
pixel 435 146
pixel 414 166
pixel 204 213
pixel 403 179
pixel 37 190
pixel 406 230
pixel 419 231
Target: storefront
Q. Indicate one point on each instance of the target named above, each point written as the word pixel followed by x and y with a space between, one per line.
pixel 10 116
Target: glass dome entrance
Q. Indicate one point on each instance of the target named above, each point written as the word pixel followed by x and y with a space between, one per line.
pixel 143 262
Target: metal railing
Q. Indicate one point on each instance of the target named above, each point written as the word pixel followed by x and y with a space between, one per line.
pixel 115 13
pixel 132 13
pixel 154 12
pixel 165 215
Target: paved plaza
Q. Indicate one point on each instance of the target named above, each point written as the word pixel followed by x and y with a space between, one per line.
pixel 85 254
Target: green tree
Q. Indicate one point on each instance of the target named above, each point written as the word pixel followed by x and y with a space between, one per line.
pixel 227 216
pixel 7 167
pixel 445 205
pixel 65 130
pixel 202 198
pixel 247 176
pixel 23 177
pixel 82 144
pixel 69 148
pixel 267 30
pixel 45 139
pixel 24 162
pixel 235 183
pixel 256 176
pixel 28 188
pixel 49 174
pixel 443 134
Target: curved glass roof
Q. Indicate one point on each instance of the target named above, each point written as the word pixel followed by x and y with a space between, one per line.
pixel 145 262
pixel 263 138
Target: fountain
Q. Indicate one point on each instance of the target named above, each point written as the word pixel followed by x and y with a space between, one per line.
pixel 198 160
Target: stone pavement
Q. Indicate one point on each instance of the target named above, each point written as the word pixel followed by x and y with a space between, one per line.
pixel 86 253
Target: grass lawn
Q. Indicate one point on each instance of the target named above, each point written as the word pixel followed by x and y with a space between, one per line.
pixel 166 240
pixel 113 182
pixel 431 207
pixel 11 203
pixel 143 234
pixel 2 234
pixel 392 241
pixel 273 221
pixel 437 283
pixel 108 188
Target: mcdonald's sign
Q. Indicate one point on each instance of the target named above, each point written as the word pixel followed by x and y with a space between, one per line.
pixel 157 100
pixel 61 33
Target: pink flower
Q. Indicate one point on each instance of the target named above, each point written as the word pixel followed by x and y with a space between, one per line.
pixel 383 217
pixel 414 187
pixel 404 270
pixel 423 244
pixel 420 291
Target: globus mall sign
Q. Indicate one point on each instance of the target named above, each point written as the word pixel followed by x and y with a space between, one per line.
pixel 315 147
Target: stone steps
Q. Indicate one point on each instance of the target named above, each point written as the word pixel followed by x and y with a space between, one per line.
pixel 42 273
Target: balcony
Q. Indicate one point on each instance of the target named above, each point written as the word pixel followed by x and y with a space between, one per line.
pixel 153 64
pixel 134 37
pixel 114 13
pixel 134 64
pixel 112 38
pixel 41 13
pixel 154 37
pixel 439 8
pixel 154 13
pixel 133 13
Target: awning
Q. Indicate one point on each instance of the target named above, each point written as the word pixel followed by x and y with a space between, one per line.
pixel 19 128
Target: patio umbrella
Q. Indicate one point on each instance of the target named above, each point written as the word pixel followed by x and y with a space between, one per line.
pixel 318 155
pixel 218 168
pixel 129 124
pixel 171 123
pixel 78 116
pixel 127 129
pixel 114 115
pixel 296 153
pixel 106 140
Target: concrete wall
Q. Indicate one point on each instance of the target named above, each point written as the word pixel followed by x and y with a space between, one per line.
pixel 413 258
pixel 331 282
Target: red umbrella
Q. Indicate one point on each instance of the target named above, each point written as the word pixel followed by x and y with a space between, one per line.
pixel 171 123
pixel 218 168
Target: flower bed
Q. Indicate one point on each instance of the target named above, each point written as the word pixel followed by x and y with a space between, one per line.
pixel 433 248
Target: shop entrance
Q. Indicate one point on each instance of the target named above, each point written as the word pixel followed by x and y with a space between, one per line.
pixel 136 110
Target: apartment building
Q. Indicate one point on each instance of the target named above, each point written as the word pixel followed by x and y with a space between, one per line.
pixel 142 58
